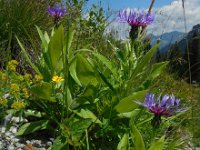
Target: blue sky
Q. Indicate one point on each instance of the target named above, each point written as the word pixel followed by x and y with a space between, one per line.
pixel 120 4
pixel 169 13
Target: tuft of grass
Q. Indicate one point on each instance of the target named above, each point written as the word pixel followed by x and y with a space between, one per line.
pixel 19 18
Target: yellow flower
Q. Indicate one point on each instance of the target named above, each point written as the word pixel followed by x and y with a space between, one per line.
pixel 38 77
pixel 57 79
pixel 3 76
pixel 26 93
pixel 12 65
pixel 14 62
pixel 20 77
pixel 17 105
pixel 14 88
pixel 3 101
pixel 27 76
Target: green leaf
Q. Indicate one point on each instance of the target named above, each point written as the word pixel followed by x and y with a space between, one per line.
pixel 137 137
pixel 124 143
pixel 144 62
pixel 108 64
pixel 43 39
pixel 43 90
pixel 129 114
pixel 87 114
pixel 127 104
pixel 157 69
pixel 106 81
pixel 77 128
pixel 158 145
pixel 69 97
pixel 60 143
pixel 69 38
pixel 31 127
pixel 27 57
pixel 56 48
pixel 72 70
pixel 33 113
pixel 85 71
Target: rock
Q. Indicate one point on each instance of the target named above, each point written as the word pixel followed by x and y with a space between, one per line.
pixel 49 144
pixel 11 147
pixel 28 142
pixel 41 148
pixel 13 130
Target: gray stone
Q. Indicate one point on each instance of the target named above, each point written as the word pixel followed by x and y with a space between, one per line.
pixel 28 142
pixel 11 147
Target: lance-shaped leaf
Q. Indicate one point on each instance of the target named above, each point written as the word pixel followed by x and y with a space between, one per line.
pixel 159 144
pixel 126 104
pixel 56 47
pixel 136 137
pixel 124 143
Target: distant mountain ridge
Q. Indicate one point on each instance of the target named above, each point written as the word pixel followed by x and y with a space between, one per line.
pixel 166 39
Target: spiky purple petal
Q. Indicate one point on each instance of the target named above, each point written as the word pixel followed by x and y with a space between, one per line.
pixel 135 18
pixel 56 11
pixel 165 106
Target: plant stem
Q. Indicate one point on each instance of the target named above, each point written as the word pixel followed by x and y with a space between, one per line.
pixel 151 6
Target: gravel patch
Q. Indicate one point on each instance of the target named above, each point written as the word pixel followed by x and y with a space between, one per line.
pixel 9 140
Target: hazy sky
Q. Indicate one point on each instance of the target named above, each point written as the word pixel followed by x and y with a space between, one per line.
pixel 169 13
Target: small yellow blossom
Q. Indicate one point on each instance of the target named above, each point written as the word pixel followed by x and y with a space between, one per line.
pixel 17 105
pixel 20 78
pixel 14 88
pixel 38 77
pixel 12 65
pixel 3 76
pixel 27 76
pixel 3 101
pixel 57 79
pixel 26 93
pixel 14 62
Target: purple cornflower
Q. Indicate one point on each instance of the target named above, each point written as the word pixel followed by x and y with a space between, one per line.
pixel 57 12
pixel 135 18
pixel 167 106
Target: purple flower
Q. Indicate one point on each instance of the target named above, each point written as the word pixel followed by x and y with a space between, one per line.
pixel 56 11
pixel 166 106
pixel 135 18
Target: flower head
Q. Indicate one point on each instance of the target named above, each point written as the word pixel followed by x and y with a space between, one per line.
pixel 38 77
pixel 135 18
pixel 56 11
pixel 17 105
pixel 14 88
pixel 167 106
pixel 12 65
pixel 3 101
pixel 57 79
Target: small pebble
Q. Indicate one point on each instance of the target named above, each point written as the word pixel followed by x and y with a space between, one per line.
pixel 49 143
pixel 41 148
pixel 16 119
pixel 15 140
pixel 13 130
pixel 11 147
pixel 3 129
pixel 8 134
pixel 28 142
